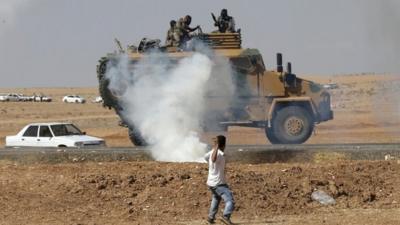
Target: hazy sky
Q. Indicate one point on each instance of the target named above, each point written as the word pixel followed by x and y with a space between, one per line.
pixel 58 42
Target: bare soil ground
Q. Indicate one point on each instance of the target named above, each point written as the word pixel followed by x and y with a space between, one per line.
pixel 366 108
pixel 172 193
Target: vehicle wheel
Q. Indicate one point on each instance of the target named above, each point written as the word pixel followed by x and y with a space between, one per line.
pixel 65 100
pixel 136 138
pixel 290 125
pixel 271 136
pixel 76 101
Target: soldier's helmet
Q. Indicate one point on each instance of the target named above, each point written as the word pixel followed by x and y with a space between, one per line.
pixel 172 23
pixel 187 20
pixel 224 12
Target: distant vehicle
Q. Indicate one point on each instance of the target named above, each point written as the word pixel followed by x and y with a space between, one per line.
pixel 73 99
pixel 52 135
pixel 11 97
pixel 41 98
pixel 24 98
pixel 98 99
pixel 3 97
pixel 331 86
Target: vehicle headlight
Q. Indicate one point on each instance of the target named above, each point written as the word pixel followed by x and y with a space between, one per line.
pixel 79 144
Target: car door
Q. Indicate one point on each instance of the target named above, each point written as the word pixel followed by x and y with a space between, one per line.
pixel 29 137
pixel 14 98
pixel 45 137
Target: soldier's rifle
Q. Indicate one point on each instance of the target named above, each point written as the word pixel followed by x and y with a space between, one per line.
pixel 215 20
pixel 121 50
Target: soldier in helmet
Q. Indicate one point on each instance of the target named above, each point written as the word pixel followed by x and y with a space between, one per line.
pixel 173 36
pixel 225 23
pixel 186 30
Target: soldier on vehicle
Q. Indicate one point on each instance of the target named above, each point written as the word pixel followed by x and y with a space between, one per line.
pixel 225 23
pixel 186 30
pixel 173 36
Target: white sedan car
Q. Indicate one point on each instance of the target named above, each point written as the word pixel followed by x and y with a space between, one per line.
pixel 52 135
pixel 12 97
pixel 73 99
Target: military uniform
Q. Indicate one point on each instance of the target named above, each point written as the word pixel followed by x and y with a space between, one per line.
pixel 185 29
pixel 173 35
pixel 225 23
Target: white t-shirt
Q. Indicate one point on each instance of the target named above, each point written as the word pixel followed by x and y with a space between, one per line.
pixel 216 170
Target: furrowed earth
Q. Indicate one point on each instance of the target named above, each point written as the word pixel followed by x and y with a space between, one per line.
pixel 367 110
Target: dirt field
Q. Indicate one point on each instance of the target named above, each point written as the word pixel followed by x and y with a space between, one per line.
pixel 172 193
pixel 367 110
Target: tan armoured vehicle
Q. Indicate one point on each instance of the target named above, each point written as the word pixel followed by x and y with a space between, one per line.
pixel 286 106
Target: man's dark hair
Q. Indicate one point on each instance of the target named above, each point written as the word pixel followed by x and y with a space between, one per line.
pixel 221 139
pixel 172 23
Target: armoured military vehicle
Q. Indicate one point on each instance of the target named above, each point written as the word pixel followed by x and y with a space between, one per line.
pixel 286 106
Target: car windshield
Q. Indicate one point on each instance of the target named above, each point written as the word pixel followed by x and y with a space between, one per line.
pixel 65 130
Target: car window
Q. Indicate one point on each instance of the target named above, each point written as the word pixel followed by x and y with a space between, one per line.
pixel 31 131
pixel 65 129
pixel 45 131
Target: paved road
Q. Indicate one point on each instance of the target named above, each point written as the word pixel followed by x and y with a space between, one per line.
pixel 236 153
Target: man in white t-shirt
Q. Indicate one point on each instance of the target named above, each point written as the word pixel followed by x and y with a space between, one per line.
pixel 216 181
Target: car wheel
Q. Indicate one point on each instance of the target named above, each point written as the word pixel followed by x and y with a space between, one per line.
pixel 291 125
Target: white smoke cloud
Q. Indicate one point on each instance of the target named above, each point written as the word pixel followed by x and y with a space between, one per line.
pixel 166 100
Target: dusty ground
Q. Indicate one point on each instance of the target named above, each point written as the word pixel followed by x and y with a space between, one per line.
pixel 366 109
pixel 172 193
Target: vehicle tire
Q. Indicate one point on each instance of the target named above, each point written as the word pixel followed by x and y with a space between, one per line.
pixel 76 101
pixel 136 138
pixel 290 125
pixel 271 136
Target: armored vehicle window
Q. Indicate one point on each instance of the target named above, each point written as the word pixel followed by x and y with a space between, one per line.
pixel 31 131
pixel 45 131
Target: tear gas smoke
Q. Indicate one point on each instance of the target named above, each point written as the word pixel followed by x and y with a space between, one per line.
pixel 166 99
